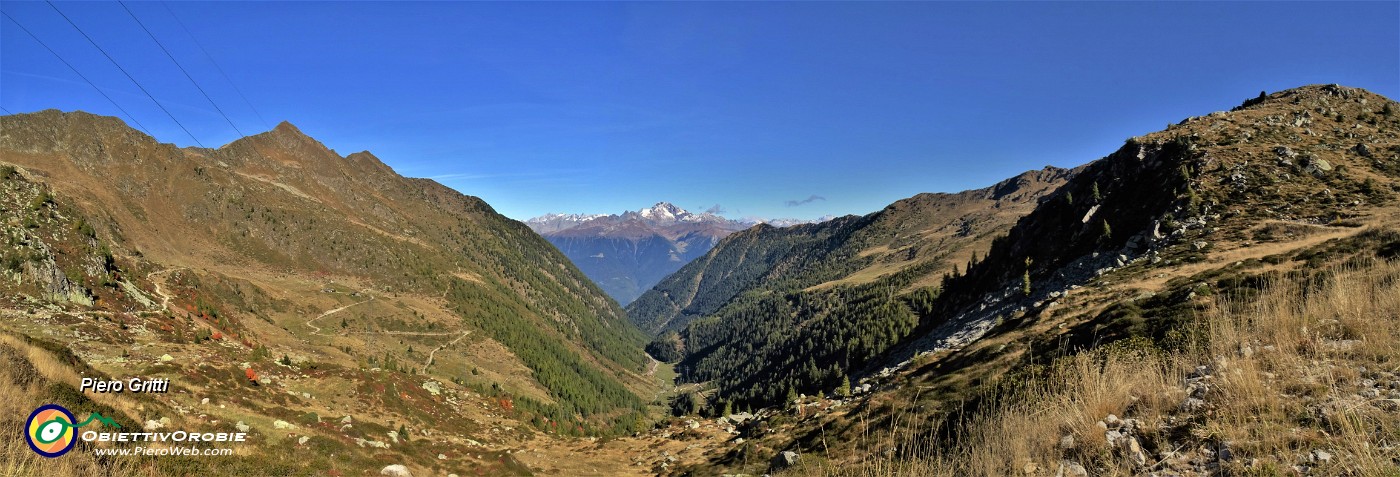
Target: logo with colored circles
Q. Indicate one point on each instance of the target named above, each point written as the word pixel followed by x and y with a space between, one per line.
pixel 49 430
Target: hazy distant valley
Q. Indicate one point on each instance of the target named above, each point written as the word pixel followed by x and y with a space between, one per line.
pixel 626 254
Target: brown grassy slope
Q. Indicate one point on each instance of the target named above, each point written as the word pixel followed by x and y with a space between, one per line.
pixel 1175 196
pixel 254 246
pixel 949 229
pixel 64 296
pixel 280 203
pixel 1204 207
pixel 1297 379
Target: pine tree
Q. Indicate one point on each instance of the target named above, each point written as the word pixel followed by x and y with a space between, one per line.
pixel 844 390
pixel 1095 192
pixel 1107 231
pixel 1026 278
pixel 403 433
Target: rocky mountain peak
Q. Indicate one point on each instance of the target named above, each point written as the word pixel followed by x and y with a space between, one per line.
pixel 664 211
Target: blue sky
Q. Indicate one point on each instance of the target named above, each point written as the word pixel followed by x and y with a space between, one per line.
pixel 766 109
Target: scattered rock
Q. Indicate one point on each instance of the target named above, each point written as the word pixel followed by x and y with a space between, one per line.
pixel 1316 167
pixel 1113 437
pixel 280 424
pixel 1067 442
pixel 165 358
pixel 1113 422
pixel 1362 150
pixel 432 387
pixel 442 456
pixel 1133 450
pixel 1072 469
pixel 242 427
pixel 1090 214
pixel 784 460
pixel 396 470
pixel 302 440
pixel 1200 245
pixel 1224 453
pixel 152 425
pixel 1193 405
pixel 1322 456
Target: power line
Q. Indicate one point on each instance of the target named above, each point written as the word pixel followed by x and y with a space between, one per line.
pixel 80 75
pixel 216 64
pixel 123 70
pixel 182 68
pixel 191 78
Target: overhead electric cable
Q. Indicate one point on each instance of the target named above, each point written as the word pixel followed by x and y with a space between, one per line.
pixel 123 70
pixel 80 74
pixel 216 65
pixel 182 68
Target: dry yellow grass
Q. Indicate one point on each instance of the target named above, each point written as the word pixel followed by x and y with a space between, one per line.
pixel 1285 373
pixel 26 372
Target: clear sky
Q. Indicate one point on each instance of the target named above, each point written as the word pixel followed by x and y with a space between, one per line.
pixel 766 109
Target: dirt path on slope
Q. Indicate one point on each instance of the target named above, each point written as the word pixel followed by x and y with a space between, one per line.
pixel 332 312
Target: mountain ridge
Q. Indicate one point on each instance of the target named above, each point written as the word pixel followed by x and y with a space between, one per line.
pixel 279 207
pixel 1121 262
pixel 627 253
pixel 754 312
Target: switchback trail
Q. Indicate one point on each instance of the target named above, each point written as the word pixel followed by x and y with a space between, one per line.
pixel 332 312
pixel 429 362
pixel 426 363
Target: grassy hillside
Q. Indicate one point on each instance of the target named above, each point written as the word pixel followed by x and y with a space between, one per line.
pixel 350 292
pixel 1296 376
pixel 1218 242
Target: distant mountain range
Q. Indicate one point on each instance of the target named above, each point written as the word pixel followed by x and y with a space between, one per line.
pixel 628 253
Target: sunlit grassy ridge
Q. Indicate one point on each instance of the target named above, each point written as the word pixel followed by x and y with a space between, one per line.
pixel 1301 377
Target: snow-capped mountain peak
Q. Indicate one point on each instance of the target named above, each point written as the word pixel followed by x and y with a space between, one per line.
pixel 663 214
pixel 556 222
pixel 664 211
pixel 565 218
